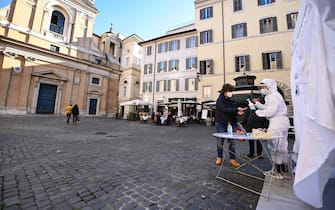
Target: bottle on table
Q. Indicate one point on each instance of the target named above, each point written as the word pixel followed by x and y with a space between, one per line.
pixel 229 129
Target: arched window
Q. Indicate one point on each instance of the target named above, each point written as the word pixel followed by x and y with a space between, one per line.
pixel 57 22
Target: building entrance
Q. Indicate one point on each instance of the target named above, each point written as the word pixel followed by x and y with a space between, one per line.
pixel 93 106
pixel 46 99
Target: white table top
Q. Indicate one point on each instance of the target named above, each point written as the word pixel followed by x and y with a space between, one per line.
pixel 242 136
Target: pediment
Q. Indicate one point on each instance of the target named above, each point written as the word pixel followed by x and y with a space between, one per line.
pixel 50 74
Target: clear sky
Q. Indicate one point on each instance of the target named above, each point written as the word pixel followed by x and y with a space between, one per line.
pixel 146 18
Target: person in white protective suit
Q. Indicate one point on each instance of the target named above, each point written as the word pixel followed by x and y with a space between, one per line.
pixel 275 111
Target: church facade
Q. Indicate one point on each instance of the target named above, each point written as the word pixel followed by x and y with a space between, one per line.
pixel 50 58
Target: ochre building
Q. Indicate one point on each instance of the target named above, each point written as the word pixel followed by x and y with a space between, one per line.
pixel 49 58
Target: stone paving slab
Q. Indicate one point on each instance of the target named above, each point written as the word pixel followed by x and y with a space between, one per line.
pixel 102 163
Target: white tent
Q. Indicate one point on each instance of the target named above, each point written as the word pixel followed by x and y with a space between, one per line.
pixel 313 96
pixel 135 102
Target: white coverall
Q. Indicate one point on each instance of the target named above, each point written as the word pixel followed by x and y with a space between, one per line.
pixel 275 111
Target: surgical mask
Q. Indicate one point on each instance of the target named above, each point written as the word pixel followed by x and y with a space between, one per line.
pixel 230 94
pixel 264 91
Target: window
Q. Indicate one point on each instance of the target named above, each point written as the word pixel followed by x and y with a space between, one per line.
pixel 149 49
pixel 173 85
pixel 97 61
pixel 148 69
pixel 57 22
pixel 206 37
pixel 147 87
pixel 160 86
pixel 239 30
pixel 54 48
pixel 191 84
pixel 206 91
pixel 206 13
pixel 264 2
pixel 125 88
pixel 191 63
pixel 206 67
pixel 268 25
pixel 291 20
pixel 242 63
pixel 173 65
pixel 112 49
pixel 237 5
pixel 162 47
pixel 272 60
pixel 192 42
pixel 174 45
pixel 161 67
pixel 95 80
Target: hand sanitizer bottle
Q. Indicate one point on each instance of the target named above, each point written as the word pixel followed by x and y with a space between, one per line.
pixel 229 129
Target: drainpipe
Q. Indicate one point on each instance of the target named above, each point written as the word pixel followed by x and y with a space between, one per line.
pixel 223 45
pixel 154 79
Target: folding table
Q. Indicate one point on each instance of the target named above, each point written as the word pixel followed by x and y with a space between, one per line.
pixel 246 159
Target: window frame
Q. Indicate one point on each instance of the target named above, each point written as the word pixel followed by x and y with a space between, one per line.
pixel 206 13
pixel 163 47
pixel 161 63
pixel 269 29
pixel 265 2
pixel 266 60
pixel 206 36
pixel 190 64
pixel 149 50
pixel 93 77
pixel 191 42
pixel 291 23
pixel 174 45
pixel 206 67
pixel 238 67
pixel 237 5
pixel 58 28
pixel 243 27
pixel 173 65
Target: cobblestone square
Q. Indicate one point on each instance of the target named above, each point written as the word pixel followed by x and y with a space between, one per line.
pixel 103 163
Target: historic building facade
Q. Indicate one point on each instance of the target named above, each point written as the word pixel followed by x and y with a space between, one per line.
pixel 49 58
pixel 244 36
pixel 169 67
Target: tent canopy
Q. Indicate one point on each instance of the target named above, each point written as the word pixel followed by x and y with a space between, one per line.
pixel 135 102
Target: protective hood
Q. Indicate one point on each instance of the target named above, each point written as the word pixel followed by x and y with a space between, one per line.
pixel 269 83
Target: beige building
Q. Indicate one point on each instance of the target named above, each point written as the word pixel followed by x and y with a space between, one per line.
pixel 49 58
pixel 244 36
pixel 129 85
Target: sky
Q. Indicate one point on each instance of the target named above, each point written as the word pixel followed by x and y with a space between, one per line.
pixel 146 18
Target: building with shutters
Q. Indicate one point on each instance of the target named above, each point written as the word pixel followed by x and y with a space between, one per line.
pixel 49 58
pixel 169 67
pixel 239 37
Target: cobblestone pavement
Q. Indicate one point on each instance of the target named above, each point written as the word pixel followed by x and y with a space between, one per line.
pixel 102 163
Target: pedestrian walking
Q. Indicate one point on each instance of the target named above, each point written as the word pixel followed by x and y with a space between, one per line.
pixel 68 111
pixel 75 113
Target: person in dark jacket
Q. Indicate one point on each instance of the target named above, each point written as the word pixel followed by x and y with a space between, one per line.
pixel 253 121
pixel 75 113
pixel 226 112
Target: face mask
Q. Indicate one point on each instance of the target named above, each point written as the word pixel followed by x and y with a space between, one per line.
pixel 230 94
pixel 264 91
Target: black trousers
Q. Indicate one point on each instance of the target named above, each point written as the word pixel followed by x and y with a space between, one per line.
pixel 252 147
pixel 68 117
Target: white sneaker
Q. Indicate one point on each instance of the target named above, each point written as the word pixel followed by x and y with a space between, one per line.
pixel 268 173
pixel 277 176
